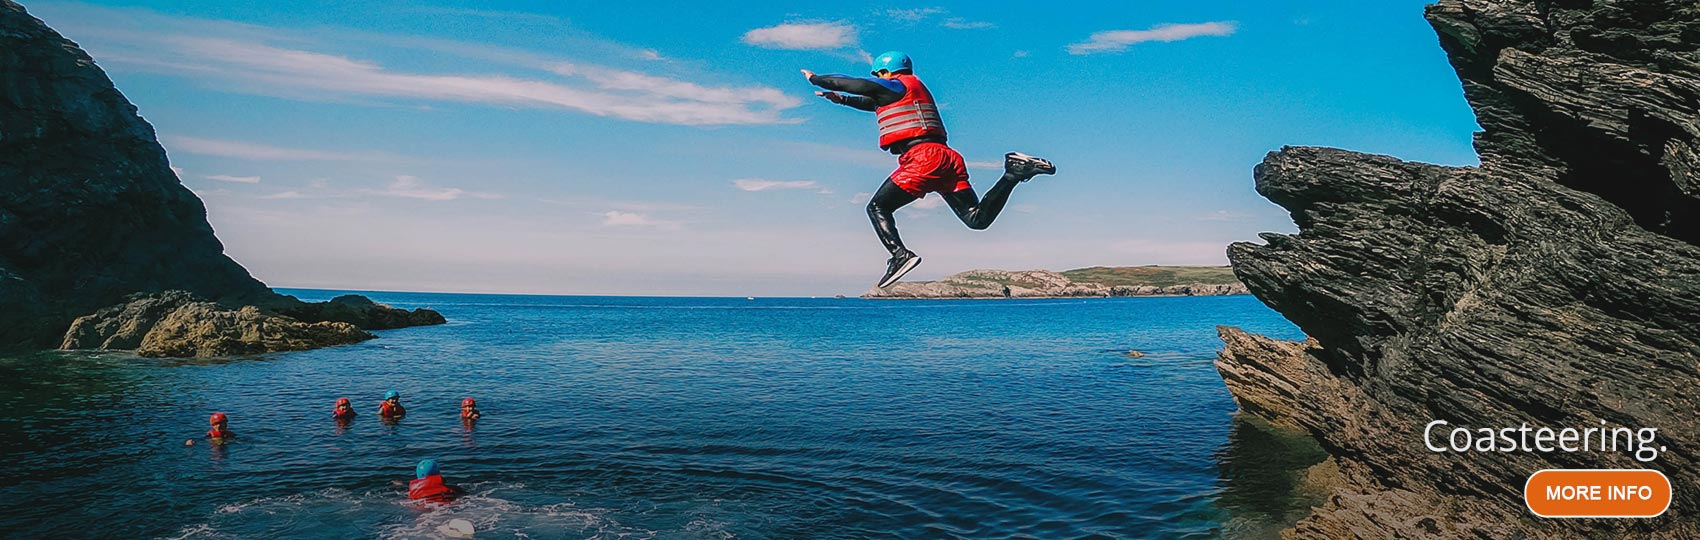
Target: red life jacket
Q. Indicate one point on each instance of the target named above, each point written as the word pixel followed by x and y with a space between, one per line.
pixel 219 432
pixel 387 410
pixel 915 115
pixel 341 413
pixel 428 487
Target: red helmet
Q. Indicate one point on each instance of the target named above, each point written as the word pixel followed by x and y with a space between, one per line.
pixel 468 402
pixel 341 401
pixel 217 418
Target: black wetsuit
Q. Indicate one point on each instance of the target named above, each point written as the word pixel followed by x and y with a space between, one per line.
pixel 869 94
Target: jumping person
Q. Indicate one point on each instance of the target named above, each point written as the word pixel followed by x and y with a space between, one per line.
pixel 911 128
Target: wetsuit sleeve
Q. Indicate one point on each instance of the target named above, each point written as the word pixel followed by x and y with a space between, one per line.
pixel 860 102
pixel 868 93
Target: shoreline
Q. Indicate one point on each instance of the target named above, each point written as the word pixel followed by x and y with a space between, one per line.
pixel 1060 297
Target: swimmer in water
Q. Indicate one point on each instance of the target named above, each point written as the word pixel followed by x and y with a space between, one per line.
pixel 343 411
pixel 220 431
pixel 469 410
pixel 428 483
pixel 391 408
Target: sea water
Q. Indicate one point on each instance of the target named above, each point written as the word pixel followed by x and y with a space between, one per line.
pixel 621 417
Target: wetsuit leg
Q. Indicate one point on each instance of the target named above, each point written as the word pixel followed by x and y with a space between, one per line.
pixel 887 199
pixel 978 213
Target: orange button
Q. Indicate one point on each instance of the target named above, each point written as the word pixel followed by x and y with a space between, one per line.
pixel 1597 493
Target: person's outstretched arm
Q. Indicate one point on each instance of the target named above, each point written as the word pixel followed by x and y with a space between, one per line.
pixel 863 93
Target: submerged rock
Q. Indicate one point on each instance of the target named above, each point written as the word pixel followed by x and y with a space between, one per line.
pixel 91 213
pixel 356 310
pixel 179 324
pixel 1556 285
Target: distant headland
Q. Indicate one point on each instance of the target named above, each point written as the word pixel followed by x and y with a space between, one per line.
pixel 1096 281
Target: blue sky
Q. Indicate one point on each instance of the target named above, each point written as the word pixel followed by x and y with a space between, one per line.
pixel 618 148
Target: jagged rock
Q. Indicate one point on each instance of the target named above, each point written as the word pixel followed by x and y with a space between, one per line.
pixel 357 310
pixel 126 325
pixel 91 212
pixel 1557 285
pixel 178 324
pixel 1036 284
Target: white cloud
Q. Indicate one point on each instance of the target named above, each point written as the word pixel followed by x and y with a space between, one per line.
pixel 1021 54
pixel 965 24
pixel 236 179
pixel 868 156
pixel 616 218
pixel 263 61
pixel 262 152
pixel 913 14
pixel 410 187
pixel 673 88
pixel 624 205
pixel 803 36
pixel 861 198
pixel 757 184
pixel 1110 41
pixel 204 193
pixel 928 203
pixel 284 195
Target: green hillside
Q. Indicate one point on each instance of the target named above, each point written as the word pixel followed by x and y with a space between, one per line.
pixel 1158 276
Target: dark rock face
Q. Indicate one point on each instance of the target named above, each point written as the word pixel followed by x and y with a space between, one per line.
pixel 1557 285
pixel 89 209
pixel 178 324
pixel 91 213
pixel 356 310
pixel 1597 96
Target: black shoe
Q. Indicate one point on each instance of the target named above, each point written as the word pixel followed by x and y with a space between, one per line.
pixel 1025 166
pixel 900 264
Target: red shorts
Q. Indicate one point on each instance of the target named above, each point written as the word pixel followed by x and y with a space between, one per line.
pixel 930 167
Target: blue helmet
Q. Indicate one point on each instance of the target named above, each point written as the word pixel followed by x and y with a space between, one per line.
pixel 893 61
pixel 392 394
pixel 426 468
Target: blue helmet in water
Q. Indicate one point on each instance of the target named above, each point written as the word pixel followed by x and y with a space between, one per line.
pixel 392 394
pixel 426 468
pixel 893 61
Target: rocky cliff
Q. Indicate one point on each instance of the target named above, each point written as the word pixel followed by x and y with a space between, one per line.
pixel 1048 284
pixel 1558 284
pixel 90 210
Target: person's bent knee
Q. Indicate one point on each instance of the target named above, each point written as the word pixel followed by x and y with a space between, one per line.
pixel 875 209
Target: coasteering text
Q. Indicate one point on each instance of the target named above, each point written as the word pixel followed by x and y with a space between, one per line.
pixel 1438 437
